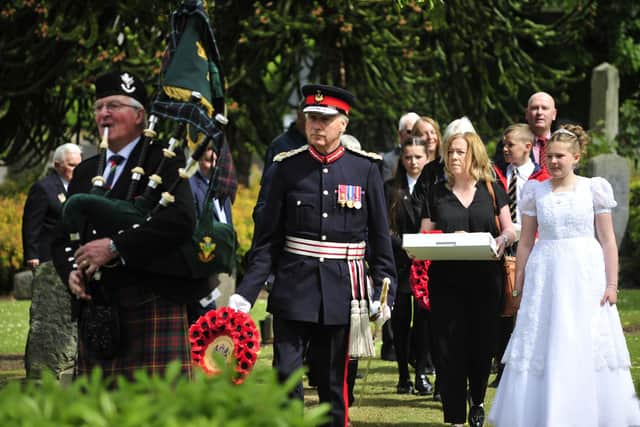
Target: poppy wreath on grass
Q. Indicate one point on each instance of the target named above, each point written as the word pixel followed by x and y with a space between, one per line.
pixel 230 333
pixel 419 278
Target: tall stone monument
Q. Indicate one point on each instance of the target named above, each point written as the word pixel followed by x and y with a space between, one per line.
pixel 603 114
pixel 605 84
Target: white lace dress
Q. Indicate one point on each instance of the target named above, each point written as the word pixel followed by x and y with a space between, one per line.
pixel 567 362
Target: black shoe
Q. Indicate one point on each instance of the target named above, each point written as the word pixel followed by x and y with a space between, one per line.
pixel 437 397
pixel 423 386
pixel 476 416
pixel 404 387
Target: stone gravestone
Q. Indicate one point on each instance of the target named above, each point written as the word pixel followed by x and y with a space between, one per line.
pixel 616 170
pixel 605 84
pixel 603 114
pixel 22 283
pixel 53 334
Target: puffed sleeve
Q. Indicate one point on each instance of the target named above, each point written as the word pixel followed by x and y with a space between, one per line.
pixel 602 192
pixel 527 203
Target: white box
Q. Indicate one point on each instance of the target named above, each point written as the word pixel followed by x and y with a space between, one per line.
pixel 450 246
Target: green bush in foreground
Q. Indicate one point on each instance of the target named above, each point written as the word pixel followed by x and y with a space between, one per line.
pixel 169 401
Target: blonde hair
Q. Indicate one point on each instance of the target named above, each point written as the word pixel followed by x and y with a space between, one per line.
pixel 573 135
pixel 477 159
pixel 417 132
pixel 521 132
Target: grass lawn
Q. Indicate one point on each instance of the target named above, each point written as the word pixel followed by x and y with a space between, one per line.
pixel 376 405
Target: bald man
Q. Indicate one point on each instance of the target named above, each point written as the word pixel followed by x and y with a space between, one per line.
pixel 540 114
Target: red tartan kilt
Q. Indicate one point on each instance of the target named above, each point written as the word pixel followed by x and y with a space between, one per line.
pixel 152 334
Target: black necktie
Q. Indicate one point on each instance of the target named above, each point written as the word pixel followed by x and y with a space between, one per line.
pixel 512 194
pixel 114 161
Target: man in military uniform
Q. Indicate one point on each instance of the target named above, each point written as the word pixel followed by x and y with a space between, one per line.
pixel 326 206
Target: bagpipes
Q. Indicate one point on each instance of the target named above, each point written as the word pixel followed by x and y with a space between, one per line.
pixel 192 96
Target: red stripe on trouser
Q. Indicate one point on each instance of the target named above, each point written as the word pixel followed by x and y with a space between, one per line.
pixel 345 386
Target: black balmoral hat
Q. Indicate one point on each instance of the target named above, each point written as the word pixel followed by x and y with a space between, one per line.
pixel 121 83
pixel 325 99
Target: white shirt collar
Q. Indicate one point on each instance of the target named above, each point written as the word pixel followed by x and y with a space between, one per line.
pixel 412 183
pixel 65 183
pixel 524 171
pixel 125 152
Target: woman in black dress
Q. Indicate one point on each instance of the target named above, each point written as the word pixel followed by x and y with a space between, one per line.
pixel 404 218
pixel 465 295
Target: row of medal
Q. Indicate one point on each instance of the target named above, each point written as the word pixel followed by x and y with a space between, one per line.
pixel 350 196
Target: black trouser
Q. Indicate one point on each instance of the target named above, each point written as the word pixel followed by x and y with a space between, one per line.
pixel 405 337
pixel 329 361
pixel 464 325
pixel 505 328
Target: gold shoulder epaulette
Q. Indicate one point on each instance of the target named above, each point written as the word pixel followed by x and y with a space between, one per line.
pixel 286 154
pixel 369 154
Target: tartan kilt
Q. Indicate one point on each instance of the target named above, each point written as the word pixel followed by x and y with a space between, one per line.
pixel 152 334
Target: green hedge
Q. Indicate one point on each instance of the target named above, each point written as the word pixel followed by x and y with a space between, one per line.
pixel 630 251
pixel 10 238
pixel 169 401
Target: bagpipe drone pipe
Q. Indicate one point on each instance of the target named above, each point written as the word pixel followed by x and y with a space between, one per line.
pixel 191 98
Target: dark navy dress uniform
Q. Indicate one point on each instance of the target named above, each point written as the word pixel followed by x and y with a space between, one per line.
pixel 311 295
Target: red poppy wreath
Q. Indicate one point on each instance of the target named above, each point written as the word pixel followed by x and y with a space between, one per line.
pixel 419 278
pixel 232 334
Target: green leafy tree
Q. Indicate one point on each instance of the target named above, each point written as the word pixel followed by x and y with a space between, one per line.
pixel 441 58
pixel 51 51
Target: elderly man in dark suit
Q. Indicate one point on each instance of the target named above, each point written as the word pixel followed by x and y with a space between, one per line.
pixel 326 206
pixel 44 203
pixel 49 315
pixel 150 305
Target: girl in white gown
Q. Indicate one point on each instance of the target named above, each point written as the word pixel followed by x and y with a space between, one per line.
pixel 567 362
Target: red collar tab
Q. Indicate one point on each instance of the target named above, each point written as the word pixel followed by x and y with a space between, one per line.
pixel 327 101
pixel 329 158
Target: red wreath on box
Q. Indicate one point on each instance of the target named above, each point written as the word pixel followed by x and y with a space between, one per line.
pixel 419 278
pixel 230 333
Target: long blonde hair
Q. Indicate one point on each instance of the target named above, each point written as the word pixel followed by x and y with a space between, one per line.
pixel 415 131
pixel 477 160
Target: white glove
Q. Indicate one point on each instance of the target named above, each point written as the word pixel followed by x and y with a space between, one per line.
pixel 239 303
pixel 380 314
